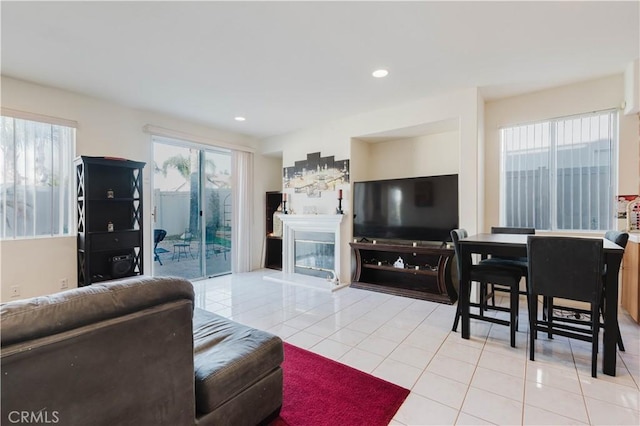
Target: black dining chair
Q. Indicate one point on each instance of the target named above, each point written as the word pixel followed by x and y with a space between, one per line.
pixel 495 274
pixel 518 262
pixel 158 236
pixel 577 315
pixel 568 268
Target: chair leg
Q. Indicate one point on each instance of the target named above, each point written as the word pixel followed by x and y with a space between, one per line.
pixel 514 310
pixel 549 316
pixel 528 304
pixel 493 296
pixel 483 298
pixel 533 316
pixel 595 328
pixel 620 342
pixel 456 319
pixel 458 313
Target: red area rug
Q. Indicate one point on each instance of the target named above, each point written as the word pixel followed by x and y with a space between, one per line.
pixel 319 391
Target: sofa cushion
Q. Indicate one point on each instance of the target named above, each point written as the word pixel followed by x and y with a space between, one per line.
pixel 43 316
pixel 229 357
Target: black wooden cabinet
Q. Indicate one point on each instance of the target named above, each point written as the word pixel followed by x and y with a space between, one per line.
pixel 109 203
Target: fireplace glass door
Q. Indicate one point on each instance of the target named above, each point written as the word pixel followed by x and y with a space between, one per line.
pixel 314 253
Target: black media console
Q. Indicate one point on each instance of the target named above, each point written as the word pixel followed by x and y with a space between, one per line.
pixel 426 273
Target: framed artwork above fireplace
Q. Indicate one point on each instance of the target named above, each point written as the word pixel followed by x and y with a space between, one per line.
pixel 315 175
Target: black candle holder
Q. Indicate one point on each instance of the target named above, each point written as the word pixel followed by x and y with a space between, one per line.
pixel 339 209
pixel 284 207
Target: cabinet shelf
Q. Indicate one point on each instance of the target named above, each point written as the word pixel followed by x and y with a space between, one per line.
pixel 402 270
pixel 375 270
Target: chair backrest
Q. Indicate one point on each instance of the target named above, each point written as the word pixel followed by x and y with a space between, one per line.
pixel 566 267
pixel 510 230
pixel 456 236
pixel 187 236
pixel 158 235
pixel 619 238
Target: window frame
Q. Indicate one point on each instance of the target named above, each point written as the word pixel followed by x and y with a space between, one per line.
pixel 67 222
pixel 553 169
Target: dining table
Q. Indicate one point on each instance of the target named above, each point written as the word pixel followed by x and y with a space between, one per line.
pixel 515 245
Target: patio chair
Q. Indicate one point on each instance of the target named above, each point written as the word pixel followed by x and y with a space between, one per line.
pixel 184 247
pixel 158 236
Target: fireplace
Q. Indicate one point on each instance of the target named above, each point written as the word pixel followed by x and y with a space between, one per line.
pixel 311 249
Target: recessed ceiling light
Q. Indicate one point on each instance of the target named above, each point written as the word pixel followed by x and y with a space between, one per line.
pixel 380 73
pixel 239 118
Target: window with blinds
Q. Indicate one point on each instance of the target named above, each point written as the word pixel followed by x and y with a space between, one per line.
pixel 560 174
pixel 36 178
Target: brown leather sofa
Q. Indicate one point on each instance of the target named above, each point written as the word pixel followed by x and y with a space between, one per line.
pixel 134 352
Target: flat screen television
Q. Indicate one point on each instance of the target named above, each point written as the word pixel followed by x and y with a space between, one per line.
pixel 415 209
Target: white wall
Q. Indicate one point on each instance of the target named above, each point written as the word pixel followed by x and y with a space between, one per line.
pixel 104 128
pixel 600 94
pixel 340 138
pixel 426 155
pixel 360 170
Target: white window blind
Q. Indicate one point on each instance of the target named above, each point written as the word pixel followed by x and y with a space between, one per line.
pixel 560 174
pixel 36 178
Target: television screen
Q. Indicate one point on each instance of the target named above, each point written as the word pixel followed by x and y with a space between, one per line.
pixel 415 209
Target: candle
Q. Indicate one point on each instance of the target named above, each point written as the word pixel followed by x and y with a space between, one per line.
pixel 284 197
pixel 339 193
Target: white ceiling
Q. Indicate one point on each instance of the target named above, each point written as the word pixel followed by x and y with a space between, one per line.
pixel 290 65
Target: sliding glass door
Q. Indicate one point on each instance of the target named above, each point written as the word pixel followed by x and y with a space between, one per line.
pixel 192 210
pixel 217 212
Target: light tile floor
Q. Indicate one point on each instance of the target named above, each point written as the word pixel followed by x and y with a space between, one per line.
pixel 452 381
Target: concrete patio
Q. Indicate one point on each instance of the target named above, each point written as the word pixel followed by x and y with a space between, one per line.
pixel 184 261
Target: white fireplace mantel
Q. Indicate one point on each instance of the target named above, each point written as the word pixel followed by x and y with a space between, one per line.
pixel 291 223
